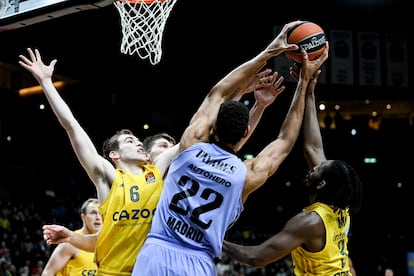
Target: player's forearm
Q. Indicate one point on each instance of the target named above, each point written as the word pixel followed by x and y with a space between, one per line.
pixel 234 83
pixel 58 105
pixel 291 126
pixel 83 242
pixel 255 115
pixel 242 254
pixel 312 138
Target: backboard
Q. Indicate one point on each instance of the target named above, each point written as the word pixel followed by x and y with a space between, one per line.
pixel 20 13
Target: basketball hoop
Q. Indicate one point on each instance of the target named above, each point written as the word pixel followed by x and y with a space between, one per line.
pixel 143 23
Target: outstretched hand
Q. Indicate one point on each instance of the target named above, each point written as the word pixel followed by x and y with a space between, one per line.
pixel 294 72
pixel 254 82
pixel 35 65
pixel 55 234
pixel 280 43
pixel 271 87
pixel 309 69
pixel 265 87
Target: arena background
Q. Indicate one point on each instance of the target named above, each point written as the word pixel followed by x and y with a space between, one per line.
pixel 203 41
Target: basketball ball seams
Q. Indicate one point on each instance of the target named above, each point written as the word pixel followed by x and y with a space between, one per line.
pixel 308 36
pixel 311 42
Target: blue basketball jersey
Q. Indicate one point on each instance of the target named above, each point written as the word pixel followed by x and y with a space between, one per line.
pixel 201 199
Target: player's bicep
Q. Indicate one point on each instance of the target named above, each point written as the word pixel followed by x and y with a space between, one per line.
pixel 163 160
pixel 257 174
pixel 273 155
pixel 197 131
pixel 281 244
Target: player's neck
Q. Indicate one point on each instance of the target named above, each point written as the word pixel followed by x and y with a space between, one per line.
pixel 225 146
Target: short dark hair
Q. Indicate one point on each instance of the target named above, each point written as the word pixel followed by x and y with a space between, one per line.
pixel 112 143
pixel 150 140
pixel 232 121
pixel 343 188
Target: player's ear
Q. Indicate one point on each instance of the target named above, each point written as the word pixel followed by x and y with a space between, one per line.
pixel 321 184
pixel 113 154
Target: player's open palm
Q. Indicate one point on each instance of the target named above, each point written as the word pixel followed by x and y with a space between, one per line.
pixel 35 65
pixel 266 94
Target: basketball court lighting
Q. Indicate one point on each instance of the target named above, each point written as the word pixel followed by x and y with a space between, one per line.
pixel 370 160
pixel 248 156
pixel 37 89
pixel 322 106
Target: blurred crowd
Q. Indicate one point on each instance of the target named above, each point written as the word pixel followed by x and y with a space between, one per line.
pixel 23 251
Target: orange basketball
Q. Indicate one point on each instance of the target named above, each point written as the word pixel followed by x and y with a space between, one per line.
pixel 308 36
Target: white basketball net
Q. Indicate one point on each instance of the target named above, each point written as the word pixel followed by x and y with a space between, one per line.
pixel 143 23
pixel 4 6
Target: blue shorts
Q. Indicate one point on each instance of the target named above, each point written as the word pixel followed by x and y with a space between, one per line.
pixel 161 258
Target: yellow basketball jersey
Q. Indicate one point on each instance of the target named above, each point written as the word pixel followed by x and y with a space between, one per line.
pixel 83 264
pixel 333 258
pixel 127 214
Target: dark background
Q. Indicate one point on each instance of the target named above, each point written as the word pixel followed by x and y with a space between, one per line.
pixel 203 41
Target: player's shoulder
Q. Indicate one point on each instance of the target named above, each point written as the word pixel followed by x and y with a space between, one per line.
pixel 67 249
pixel 308 221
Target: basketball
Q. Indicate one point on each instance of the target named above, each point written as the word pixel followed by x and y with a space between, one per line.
pixel 308 36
